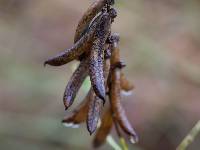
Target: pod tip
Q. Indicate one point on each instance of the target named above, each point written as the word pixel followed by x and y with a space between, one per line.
pixel 134 139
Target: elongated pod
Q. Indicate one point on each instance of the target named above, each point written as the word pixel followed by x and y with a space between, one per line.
pixel 87 17
pixel 104 129
pixel 115 89
pixel 97 54
pixel 125 84
pixel 79 114
pixel 85 43
pixel 95 108
pixel 75 83
pixel 96 103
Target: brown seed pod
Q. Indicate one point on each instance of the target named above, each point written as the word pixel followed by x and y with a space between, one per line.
pixel 115 89
pixel 96 104
pixel 97 54
pixel 79 114
pixel 84 44
pixel 93 116
pixel 125 84
pixel 106 71
pixel 104 130
pixel 75 83
pixel 91 12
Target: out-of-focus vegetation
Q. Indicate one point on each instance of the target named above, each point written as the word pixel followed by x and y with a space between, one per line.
pixel 160 42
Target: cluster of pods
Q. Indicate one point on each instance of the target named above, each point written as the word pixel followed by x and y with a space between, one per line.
pixel 97 50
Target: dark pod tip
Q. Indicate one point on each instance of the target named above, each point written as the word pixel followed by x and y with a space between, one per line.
pixel 67 105
pixel 53 62
pixel 91 132
pixel 66 120
pixel 48 62
pixel 90 129
pixel 67 100
pixel 134 139
pixel 45 63
pixel 102 95
pixel 99 89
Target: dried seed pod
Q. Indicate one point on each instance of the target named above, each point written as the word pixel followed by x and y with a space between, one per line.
pixel 106 72
pixel 84 44
pixel 115 89
pixel 79 114
pixel 104 130
pixel 125 84
pixel 93 116
pixel 75 83
pixel 96 104
pixel 97 54
pixel 91 12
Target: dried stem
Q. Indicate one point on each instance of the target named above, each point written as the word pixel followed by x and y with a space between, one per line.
pixel 190 137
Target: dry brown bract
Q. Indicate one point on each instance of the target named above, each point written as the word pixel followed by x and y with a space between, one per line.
pixel 99 57
pixel 115 90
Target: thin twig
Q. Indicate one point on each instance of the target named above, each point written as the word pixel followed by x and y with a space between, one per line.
pixel 190 137
pixel 113 143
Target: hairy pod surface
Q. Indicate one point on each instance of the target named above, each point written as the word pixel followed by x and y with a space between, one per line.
pixel 104 129
pixel 84 44
pixel 87 17
pixel 75 83
pixel 115 96
pixel 80 113
pixel 94 112
pixel 97 55
pixel 96 104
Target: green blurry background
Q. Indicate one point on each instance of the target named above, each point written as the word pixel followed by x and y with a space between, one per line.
pixel 160 42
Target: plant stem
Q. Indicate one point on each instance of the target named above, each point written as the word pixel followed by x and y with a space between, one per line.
pixel 190 137
pixel 113 143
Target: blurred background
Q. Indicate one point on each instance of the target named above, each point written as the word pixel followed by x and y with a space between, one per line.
pixel 160 43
